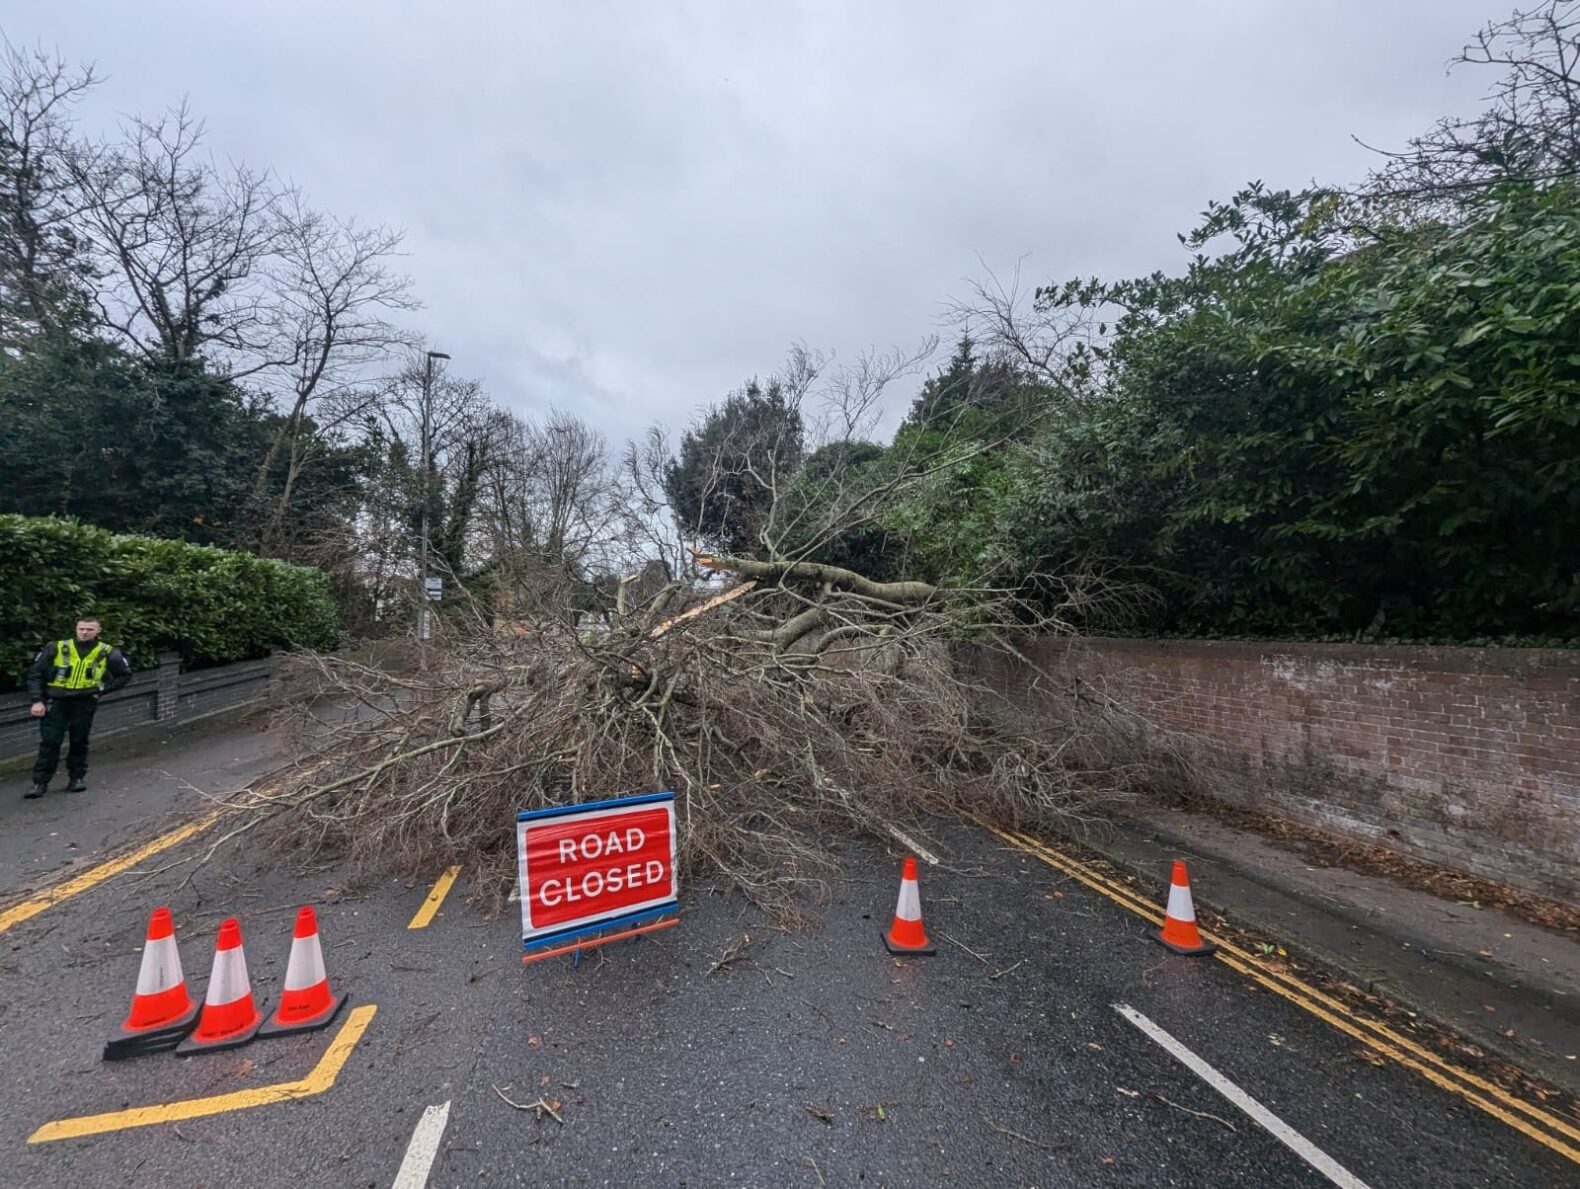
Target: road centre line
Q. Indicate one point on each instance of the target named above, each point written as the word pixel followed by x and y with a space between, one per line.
pixel 77 884
pixel 320 1078
pixel 1266 1119
pixel 1475 1090
pixel 430 906
pixel 424 1147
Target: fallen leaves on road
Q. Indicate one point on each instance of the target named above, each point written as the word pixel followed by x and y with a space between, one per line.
pixel 1371 1057
pixel 1327 850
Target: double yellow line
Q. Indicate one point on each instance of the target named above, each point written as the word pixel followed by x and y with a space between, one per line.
pixel 1544 1127
pixel 30 908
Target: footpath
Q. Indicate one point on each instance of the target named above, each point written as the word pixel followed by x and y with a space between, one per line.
pixel 138 785
pixel 1509 986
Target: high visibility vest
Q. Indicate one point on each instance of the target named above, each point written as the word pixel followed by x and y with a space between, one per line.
pixel 77 671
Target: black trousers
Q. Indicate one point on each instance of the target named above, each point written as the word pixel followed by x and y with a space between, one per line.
pixel 66 718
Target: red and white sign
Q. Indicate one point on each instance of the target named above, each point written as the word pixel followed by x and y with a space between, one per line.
pixel 582 867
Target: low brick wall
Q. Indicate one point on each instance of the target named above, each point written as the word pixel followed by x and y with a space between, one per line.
pixel 1466 757
pixel 154 698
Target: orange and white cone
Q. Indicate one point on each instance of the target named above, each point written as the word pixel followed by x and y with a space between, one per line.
pixel 906 935
pixel 306 1003
pixel 230 1017
pixel 1179 922
pixel 162 1012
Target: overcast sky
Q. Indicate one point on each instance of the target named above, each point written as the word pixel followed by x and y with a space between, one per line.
pixel 628 209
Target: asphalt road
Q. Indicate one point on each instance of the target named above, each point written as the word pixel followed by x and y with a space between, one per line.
pixel 808 1060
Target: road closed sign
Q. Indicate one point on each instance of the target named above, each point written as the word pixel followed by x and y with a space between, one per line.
pixel 588 868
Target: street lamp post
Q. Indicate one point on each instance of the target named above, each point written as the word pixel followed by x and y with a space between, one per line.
pixel 427 489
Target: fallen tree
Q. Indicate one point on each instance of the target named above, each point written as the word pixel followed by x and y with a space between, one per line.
pixel 802 704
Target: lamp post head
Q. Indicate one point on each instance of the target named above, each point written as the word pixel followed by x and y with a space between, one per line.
pixel 437 355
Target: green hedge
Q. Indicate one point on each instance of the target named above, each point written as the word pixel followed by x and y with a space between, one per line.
pixel 211 605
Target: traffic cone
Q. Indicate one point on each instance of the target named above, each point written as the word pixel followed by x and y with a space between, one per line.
pixel 305 1004
pixel 1179 921
pixel 162 1012
pixel 230 1017
pixel 906 935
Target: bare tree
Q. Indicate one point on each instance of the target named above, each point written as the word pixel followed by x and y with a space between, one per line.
pixel 333 289
pixel 562 517
pixel 653 528
pixel 185 242
pixel 41 261
pixel 1029 328
pixel 1530 131
pixel 463 444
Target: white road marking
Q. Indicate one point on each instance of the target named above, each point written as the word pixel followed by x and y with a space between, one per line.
pixel 910 844
pixel 1283 1132
pixel 423 1148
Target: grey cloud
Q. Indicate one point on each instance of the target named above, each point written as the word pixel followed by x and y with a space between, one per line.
pixel 627 209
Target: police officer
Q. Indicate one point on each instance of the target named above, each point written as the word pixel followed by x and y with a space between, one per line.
pixel 66 680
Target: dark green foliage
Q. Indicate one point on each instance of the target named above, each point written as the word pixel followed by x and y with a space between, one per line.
pixel 732 467
pixel 1315 435
pixel 95 434
pixel 955 447
pixel 152 595
pixel 973 399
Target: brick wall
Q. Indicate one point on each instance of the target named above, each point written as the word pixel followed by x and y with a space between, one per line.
pixel 154 698
pixel 1466 757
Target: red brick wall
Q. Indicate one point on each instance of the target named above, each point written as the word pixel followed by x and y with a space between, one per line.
pixel 1467 757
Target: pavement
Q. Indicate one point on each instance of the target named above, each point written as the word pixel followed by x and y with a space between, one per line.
pixel 137 782
pixel 1050 1042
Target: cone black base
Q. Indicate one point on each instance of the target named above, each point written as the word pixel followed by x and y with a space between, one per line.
pixel 1205 947
pixel 192 1046
pixel 927 951
pixel 270 1029
pixel 126 1044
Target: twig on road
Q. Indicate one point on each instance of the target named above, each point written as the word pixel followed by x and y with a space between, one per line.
pixel 807 1160
pixel 731 952
pixel 993 978
pixel 967 949
pixel 1026 1138
pixel 539 1105
pixel 1198 1114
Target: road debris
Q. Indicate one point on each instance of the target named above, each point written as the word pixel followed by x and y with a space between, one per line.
pixel 539 1106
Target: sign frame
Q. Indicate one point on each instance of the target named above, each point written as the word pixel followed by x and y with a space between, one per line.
pixel 536 937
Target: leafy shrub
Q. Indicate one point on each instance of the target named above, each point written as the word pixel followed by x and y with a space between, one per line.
pixel 152 595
